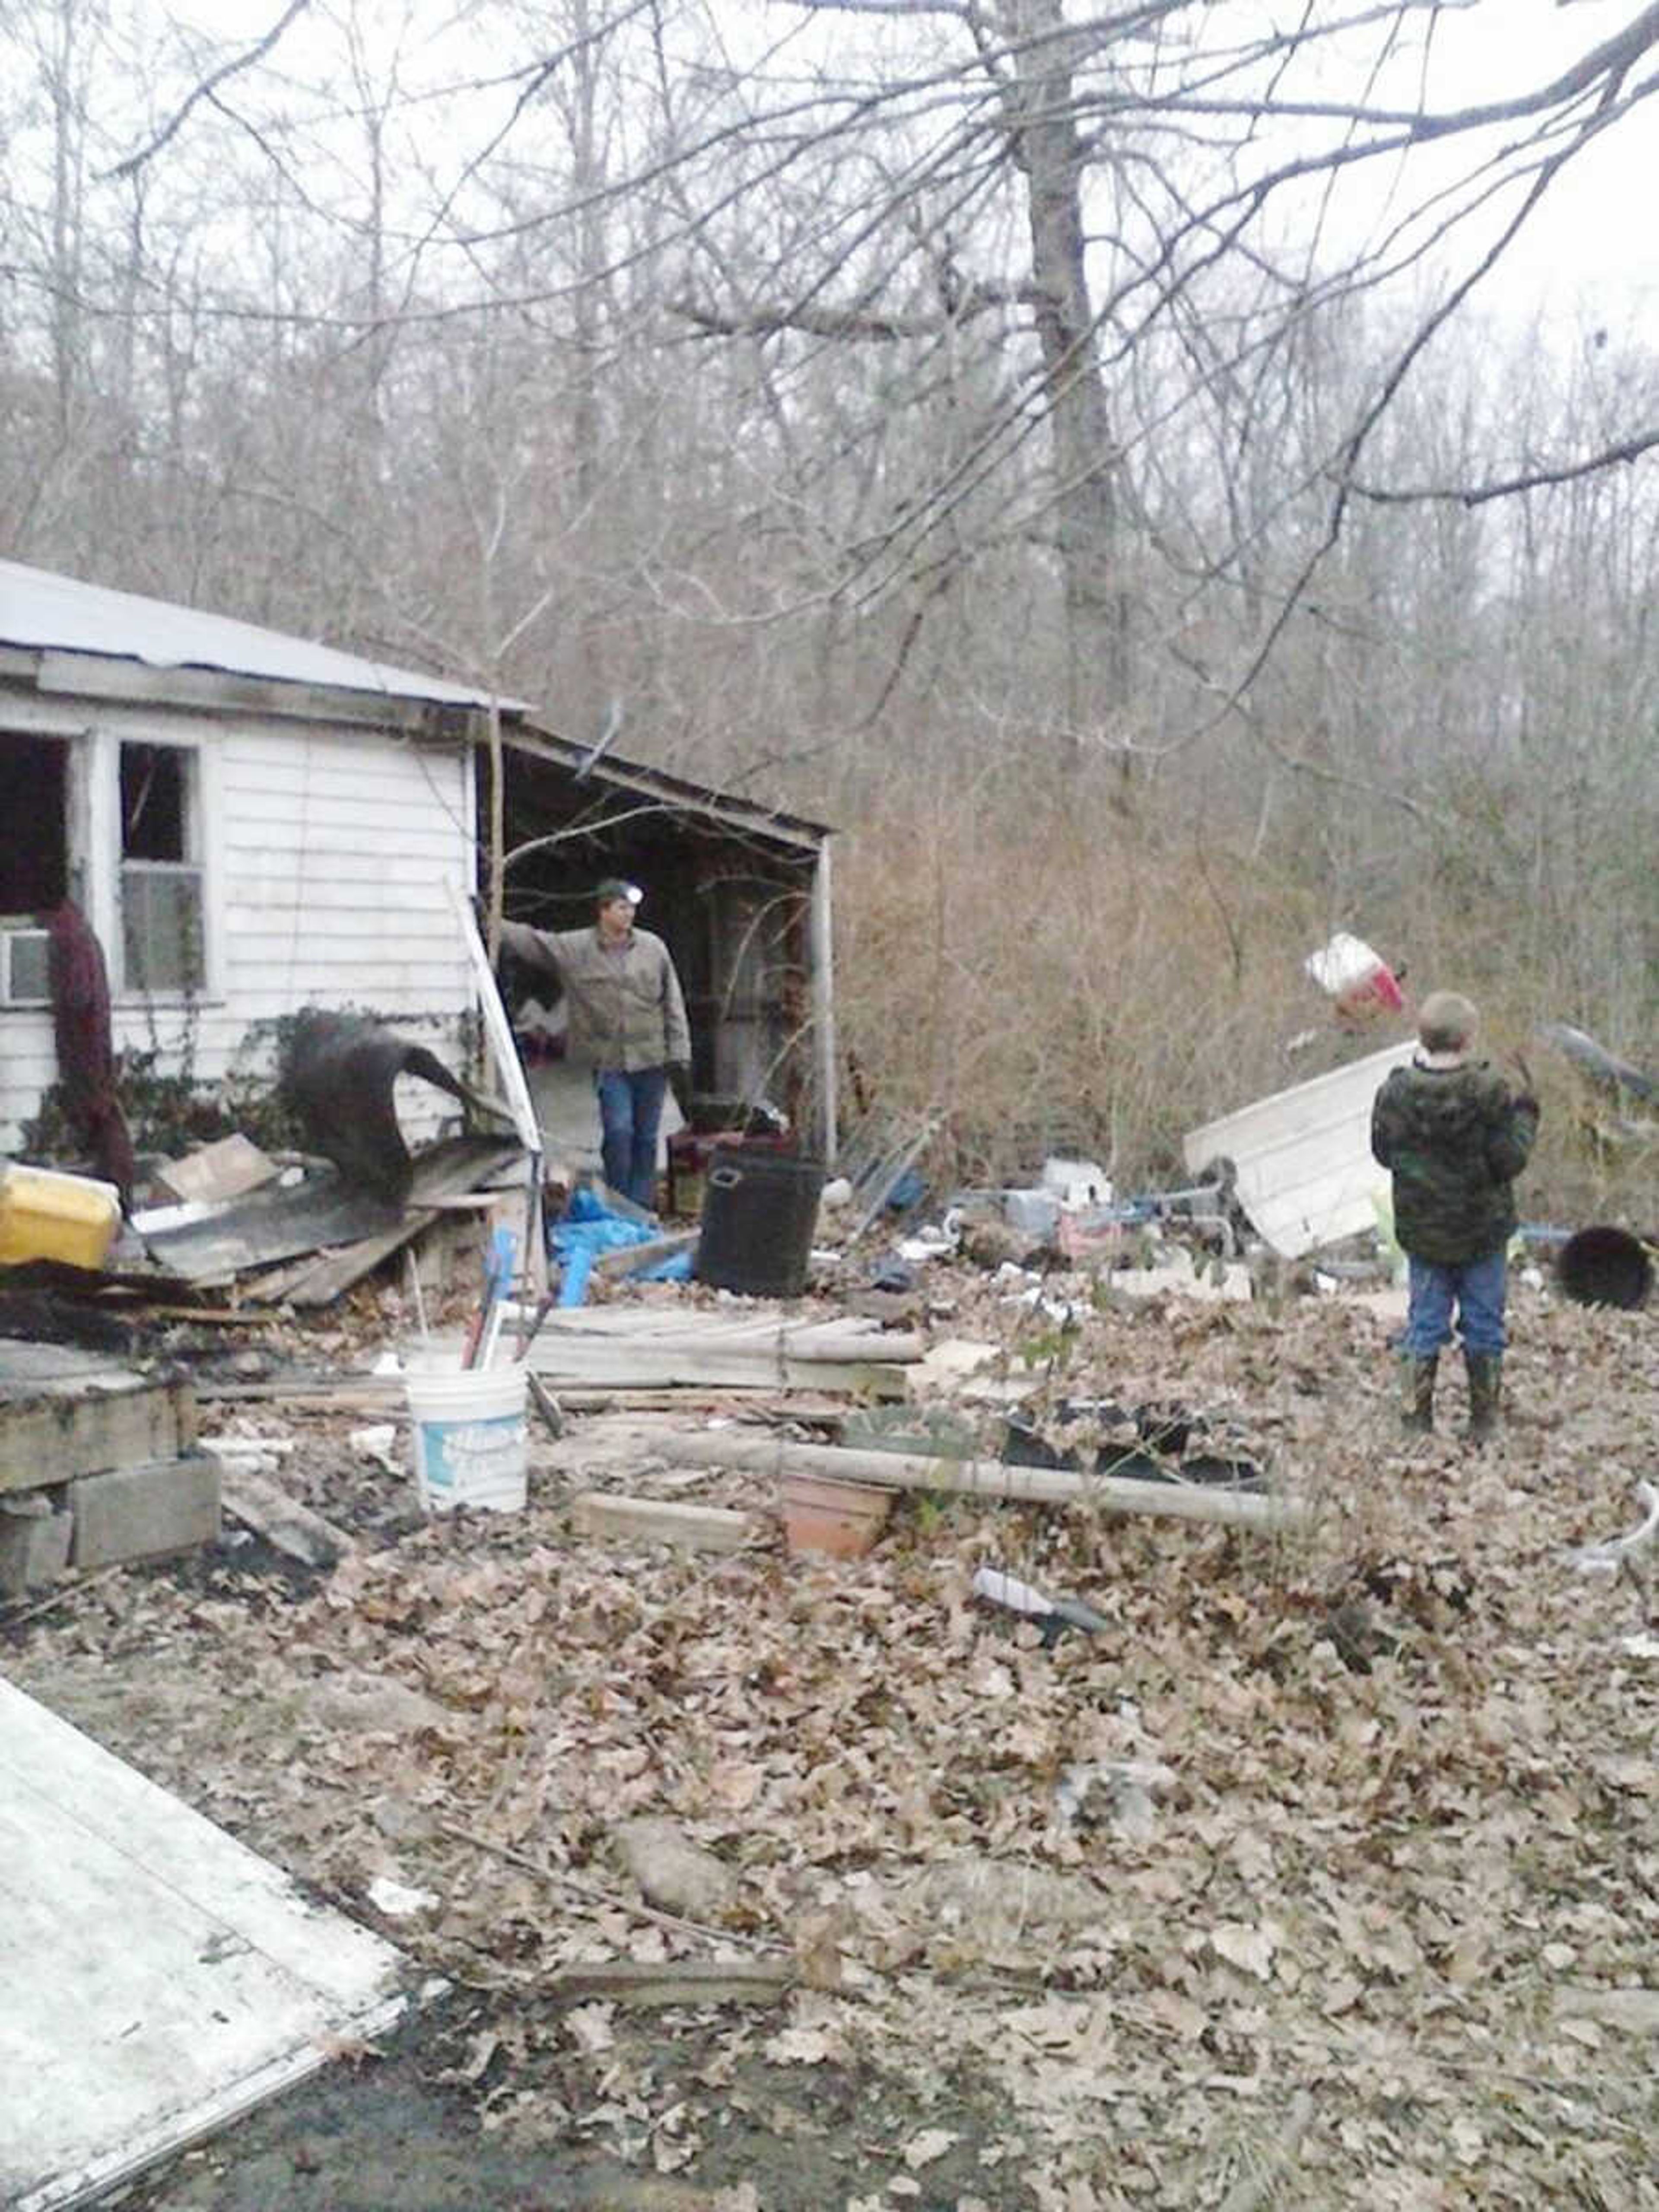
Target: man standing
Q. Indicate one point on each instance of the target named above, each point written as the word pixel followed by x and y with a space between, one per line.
pixel 1454 1136
pixel 627 1019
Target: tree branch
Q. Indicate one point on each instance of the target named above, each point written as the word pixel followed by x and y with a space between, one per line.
pixel 209 85
pixel 1627 449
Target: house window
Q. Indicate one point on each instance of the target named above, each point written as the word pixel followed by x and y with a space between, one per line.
pixel 160 869
pixel 34 867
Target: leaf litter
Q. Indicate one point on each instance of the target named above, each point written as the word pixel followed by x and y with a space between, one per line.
pixel 1401 1860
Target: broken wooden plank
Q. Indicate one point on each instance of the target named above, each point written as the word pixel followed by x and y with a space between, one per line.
pixel 627 1257
pixel 990 1479
pixel 562 1361
pixel 324 1216
pixel 682 1329
pixel 284 1522
pixel 658 1521
pixel 230 1168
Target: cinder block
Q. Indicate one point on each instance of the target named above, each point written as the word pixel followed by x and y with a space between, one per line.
pixel 34 1546
pixel 144 1512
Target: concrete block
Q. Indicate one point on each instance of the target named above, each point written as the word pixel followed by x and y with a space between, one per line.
pixel 34 1546
pixel 144 1512
pixel 76 1414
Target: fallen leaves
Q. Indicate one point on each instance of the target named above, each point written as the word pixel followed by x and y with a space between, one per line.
pixel 1369 1862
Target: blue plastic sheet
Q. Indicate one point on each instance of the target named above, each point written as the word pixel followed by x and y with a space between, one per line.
pixel 588 1227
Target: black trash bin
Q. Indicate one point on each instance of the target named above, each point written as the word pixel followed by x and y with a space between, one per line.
pixel 1605 1267
pixel 759 1210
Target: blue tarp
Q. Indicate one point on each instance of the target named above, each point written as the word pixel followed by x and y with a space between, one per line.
pixel 588 1227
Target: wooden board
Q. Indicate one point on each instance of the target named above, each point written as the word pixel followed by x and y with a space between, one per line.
pixel 229 1168
pixel 65 1412
pixel 321 1216
pixel 661 1521
pixel 157 1978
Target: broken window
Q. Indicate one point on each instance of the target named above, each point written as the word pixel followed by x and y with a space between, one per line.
pixel 160 869
pixel 34 866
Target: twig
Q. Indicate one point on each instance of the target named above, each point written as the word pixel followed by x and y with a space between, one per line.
pixel 671 1921
pixel 60 1596
pixel 546 1404
pixel 415 1286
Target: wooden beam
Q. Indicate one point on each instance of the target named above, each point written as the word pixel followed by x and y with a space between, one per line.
pixel 820 938
pixel 1240 1509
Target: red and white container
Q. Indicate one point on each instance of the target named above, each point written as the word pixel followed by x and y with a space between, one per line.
pixel 1360 980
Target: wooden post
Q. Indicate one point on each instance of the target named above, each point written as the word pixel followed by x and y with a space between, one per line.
pixel 824 1004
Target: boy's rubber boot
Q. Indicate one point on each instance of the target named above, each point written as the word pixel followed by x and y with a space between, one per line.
pixel 1486 1372
pixel 1417 1394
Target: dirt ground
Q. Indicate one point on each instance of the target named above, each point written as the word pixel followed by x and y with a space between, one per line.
pixel 1325 1873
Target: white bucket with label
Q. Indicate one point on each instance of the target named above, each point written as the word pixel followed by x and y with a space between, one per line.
pixel 470 1446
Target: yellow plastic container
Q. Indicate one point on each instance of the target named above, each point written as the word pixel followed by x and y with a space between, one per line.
pixel 47 1216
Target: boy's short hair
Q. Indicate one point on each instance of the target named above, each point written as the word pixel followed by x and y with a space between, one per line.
pixel 1446 1021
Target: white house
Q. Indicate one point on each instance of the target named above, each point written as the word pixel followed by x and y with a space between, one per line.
pixel 253 824
pixel 250 822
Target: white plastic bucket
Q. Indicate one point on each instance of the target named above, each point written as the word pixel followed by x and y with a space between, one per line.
pixel 469 1437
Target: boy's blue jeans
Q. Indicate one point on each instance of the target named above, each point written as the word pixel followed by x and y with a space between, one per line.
pixel 630 1109
pixel 1477 1288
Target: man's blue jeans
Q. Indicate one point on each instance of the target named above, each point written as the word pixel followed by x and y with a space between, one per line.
pixel 1477 1288
pixel 630 1109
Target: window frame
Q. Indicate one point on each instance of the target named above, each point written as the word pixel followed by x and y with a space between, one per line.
pixel 191 868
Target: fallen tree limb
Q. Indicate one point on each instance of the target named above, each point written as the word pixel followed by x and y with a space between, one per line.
pixel 606 1898
pixel 990 1479
pixel 678 1982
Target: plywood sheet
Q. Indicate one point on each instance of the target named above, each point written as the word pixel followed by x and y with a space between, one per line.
pixel 157 1978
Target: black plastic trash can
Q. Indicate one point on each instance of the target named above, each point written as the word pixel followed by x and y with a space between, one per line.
pixel 759 1210
pixel 1605 1267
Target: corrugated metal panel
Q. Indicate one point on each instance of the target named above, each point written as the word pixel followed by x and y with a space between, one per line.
pixel 40 612
pixel 1306 1176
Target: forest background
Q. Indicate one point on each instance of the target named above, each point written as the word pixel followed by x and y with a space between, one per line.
pixel 1136 470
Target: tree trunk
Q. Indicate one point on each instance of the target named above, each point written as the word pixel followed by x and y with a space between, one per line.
pixel 1039 105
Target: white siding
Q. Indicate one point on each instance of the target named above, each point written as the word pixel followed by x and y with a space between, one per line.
pixel 327 856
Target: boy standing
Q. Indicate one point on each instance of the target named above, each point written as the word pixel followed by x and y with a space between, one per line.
pixel 1454 1137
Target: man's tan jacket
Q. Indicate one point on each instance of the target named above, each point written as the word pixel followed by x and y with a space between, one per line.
pixel 626 1008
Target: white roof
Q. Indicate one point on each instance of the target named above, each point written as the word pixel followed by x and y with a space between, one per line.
pixel 42 611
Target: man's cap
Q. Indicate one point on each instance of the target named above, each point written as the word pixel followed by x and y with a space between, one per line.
pixel 1446 1020
pixel 614 887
